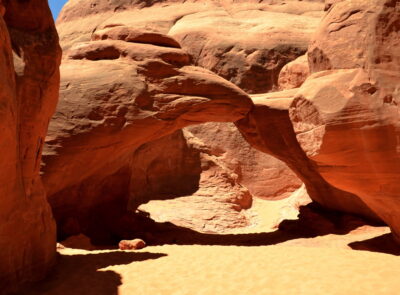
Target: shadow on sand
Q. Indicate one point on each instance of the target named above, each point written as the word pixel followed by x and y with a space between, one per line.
pixel 313 221
pixel 381 244
pixel 82 274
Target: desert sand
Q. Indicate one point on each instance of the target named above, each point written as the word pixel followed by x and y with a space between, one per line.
pixel 256 262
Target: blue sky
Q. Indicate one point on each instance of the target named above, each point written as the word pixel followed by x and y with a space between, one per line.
pixel 55 6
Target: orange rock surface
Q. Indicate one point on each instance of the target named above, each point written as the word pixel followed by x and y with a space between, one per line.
pixel 29 62
pixel 127 93
pixel 245 42
pixel 346 116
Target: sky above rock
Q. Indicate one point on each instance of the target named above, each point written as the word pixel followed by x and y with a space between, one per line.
pixel 55 6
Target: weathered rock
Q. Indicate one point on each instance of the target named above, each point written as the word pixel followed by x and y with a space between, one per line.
pixel 125 30
pixel 135 244
pixel 246 42
pixel 347 121
pixel 346 126
pixel 268 128
pixel 247 45
pixel 290 210
pixel 115 97
pixel 30 57
pixel 371 25
pixel 214 203
pixel 294 73
pixel 263 175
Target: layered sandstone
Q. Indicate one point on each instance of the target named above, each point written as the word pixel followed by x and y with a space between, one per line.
pixel 142 48
pixel 29 62
pixel 120 33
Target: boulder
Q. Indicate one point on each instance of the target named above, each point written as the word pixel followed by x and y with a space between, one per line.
pixel 135 244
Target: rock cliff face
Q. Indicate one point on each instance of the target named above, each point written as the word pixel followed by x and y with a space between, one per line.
pixel 30 57
pixel 346 116
pixel 135 73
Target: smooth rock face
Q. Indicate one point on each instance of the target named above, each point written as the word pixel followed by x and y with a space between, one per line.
pixel 348 120
pixel 116 96
pixel 269 129
pixel 30 57
pixel 245 42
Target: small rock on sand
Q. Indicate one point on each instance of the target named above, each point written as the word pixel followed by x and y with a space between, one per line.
pixel 135 244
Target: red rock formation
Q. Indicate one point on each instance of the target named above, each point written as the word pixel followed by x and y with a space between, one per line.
pixel 213 200
pixel 30 57
pixel 245 42
pixel 352 115
pixel 345 117
pixel 355 100
pixel 268 128
pixel 263 175
pixel 145 24
pixel 116 96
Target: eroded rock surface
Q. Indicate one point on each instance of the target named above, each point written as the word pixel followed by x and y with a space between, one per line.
pixel 269 129
pixel 263 175
pixel 352 115
pixel 30 57
pixel 245 42
pixel 117 95
pixel 345 118
pixel 216 202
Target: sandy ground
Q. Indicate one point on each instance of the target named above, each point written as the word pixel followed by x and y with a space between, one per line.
pixel 262 261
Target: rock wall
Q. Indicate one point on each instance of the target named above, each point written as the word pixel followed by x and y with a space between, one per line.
pixel 30 57
pixel 346 116
pixel 349 109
